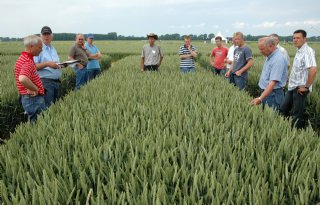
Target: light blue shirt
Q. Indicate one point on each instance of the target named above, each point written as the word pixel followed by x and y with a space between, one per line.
pixel 275 68
pixel 48 53
pixel 92 63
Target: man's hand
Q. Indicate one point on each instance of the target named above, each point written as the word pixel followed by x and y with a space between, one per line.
pixel 32 93
pixel 53 65
pixel 80 66
pixel 238 73
pixel 255 101
pixel 302 90
pixel 227 75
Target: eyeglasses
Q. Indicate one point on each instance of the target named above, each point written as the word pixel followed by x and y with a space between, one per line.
pixel 80 39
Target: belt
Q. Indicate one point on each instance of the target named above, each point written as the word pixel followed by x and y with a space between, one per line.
pixel 54 80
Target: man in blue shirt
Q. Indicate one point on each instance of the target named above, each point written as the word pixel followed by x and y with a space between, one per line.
pixel 274 74
pixel 48 68
pixel 93 66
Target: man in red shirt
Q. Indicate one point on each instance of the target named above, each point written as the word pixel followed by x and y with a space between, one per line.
pixel 27 79
pixel 217 58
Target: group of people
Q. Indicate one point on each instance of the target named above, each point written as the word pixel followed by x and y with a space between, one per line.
pixel 38 69
pixel 235 62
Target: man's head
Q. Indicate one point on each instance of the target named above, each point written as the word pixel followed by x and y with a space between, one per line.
pixel 152 38
pixel 218 41
pixel 299 38
pixel 239 39
pixel 90 38
pixel 46 35
pixel 267 45
pixel 276 37
pixel 33 44
pixel 80 39
pixel 187 40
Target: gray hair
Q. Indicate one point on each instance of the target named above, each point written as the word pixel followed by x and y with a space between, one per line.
pixel 79 34
pixel 268 41
pixel 276 36
pixel 31 40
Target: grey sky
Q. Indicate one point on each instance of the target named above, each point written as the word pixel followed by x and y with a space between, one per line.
pixel 139 17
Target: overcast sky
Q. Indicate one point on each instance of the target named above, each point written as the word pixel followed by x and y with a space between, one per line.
pixel 139 17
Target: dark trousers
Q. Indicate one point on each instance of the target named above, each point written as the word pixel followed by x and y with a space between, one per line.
pixel 151 67
pixel 294 104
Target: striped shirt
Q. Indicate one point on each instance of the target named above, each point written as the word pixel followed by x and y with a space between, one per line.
pixel 303 61
pixel 187 62
pixel 26 66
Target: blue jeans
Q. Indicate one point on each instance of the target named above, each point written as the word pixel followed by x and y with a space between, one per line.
pixel 275 99
pixel 295 102
pixel 187 69
pixel 52 88
pixel 238 81
pixel 93 73
pixel 33 106
pixel 81 77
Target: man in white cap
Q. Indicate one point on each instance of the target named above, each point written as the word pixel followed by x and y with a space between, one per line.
pixel 152 55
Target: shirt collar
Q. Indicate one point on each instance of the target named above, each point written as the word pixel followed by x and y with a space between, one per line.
pixel 303 47
pixel 272 54
pixel 44 46
pixel 27 54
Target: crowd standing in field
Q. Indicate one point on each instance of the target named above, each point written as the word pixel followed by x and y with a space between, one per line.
pixel 274 74
pixel 243 61
pixel 48 67
pixel 187 54
pixel 302 76
pixel 152 55
pixel 79 52
pixel 218 58
pixel 282 50
pixel 28 80
pixel 230 56
pixel 37 71
pixel 93 66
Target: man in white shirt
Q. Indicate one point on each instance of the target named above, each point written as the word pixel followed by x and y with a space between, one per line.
pixel 303 73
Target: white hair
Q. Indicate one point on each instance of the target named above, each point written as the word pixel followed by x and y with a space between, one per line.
pixel 268 41
pixel 31 40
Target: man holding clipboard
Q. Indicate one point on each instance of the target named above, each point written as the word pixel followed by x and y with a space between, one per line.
pixel 47 64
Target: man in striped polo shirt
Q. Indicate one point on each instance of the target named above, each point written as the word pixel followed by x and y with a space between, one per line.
pixel 187 54
pixel 27 79
pixel 302 75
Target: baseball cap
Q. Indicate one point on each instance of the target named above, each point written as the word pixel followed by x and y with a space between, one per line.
pixel 90 35
pixel 46 29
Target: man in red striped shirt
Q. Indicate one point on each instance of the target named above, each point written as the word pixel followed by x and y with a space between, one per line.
pixel 27 79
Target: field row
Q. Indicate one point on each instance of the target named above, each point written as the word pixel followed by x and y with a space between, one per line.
pixel 159 138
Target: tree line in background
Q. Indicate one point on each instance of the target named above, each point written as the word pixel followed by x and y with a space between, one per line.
pixel 175 36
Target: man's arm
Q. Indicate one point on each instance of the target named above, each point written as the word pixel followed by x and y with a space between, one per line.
pixel 229 71
pixel 245 68
pixel 211 59
pixel 26 82
pixel 161 58
pixel 265 93
pixel 50 64
pixel 142 64
pixel 311 76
